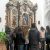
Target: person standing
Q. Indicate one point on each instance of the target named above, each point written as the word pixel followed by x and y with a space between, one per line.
pixel 48 37
pixel 20 41
pixel 11 40
pixel 26 46
pixel 7 30
pixel 33 37
pixel 42 38
pixel 14 38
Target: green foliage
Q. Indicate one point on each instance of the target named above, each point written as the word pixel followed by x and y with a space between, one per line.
pixel 2 36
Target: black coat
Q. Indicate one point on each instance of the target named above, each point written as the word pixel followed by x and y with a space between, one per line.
pixel 19 38
pixel 33 36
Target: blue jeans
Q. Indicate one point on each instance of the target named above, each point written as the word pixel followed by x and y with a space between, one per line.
pixel 20 47
pixel 26 47
pixel 11 46
pixel 33 47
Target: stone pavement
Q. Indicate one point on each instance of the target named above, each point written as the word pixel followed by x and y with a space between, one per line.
pixel 3 47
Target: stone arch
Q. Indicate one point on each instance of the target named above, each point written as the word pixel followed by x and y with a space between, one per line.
pixel 47 18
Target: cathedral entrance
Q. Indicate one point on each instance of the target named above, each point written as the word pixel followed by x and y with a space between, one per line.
pixel 26 22
pixel 20 14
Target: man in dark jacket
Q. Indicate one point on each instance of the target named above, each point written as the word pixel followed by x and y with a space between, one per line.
pixel 33 37
pixel 20 39
pixel 7 30
pixel 48 37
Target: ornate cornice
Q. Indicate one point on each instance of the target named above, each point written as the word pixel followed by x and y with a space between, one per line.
pixel 10 3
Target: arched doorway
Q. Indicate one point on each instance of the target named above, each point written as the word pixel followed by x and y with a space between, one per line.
pixel 26 23
pixel 47 18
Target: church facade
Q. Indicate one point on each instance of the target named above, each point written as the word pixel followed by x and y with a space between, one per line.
pixel 19 13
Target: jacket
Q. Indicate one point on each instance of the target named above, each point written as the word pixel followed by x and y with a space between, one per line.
pixel 33 36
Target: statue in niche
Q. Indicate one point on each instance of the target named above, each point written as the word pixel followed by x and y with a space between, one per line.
pixel 25 19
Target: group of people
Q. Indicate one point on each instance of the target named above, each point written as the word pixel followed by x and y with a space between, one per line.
pixel 35 40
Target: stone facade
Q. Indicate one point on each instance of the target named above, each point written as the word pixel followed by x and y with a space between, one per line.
pixel 19 12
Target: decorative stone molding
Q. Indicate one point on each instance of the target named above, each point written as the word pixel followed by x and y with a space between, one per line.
pixel 17 8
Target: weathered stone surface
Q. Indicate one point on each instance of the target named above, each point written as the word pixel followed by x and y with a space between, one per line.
pixel 15 10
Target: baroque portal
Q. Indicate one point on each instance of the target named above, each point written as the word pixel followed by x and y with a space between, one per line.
pixel 19 13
